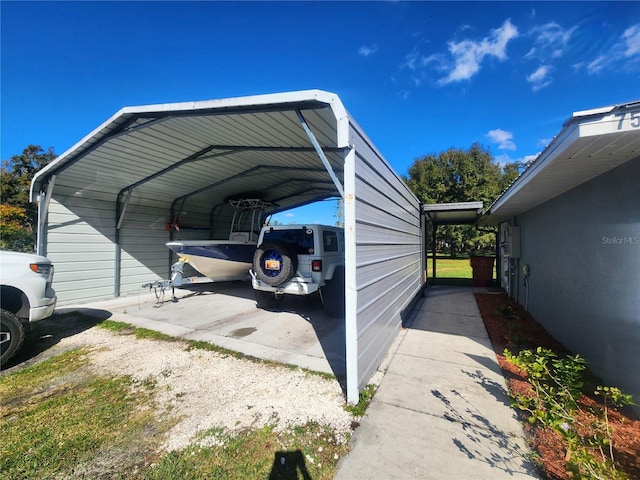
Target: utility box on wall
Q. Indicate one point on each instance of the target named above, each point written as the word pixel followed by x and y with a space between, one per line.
pixel 510 241
pixel 509 254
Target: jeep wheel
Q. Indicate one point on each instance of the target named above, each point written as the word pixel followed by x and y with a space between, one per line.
pixel 11 335
pixel 274 263
pixel 268 300
pixel 333 294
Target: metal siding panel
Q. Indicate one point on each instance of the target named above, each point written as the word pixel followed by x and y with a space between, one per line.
pixel 389 263
pixel 79 246
pixel 144 255
pixel 83 292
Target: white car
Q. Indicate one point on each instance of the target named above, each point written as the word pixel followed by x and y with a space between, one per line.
pixel 299 260
pixel 26 296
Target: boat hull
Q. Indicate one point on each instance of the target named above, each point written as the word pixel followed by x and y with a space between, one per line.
pixel 219 260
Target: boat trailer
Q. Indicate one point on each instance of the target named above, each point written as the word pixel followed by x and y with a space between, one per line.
pixel 160 287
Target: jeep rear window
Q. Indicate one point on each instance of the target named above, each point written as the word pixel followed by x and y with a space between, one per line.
pixel 301 240
pixel 330 241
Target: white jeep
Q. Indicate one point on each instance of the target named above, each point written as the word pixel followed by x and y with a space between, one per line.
pixel 26 295
pixel 299 260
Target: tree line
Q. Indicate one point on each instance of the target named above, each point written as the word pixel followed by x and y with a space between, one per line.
pixel 459 175
pixel 455 175
pixel 18 216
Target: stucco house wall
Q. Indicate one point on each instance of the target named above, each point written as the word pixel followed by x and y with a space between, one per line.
pixel 583 248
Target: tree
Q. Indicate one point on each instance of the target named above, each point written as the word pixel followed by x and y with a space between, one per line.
pixel 510 172
pixel 458 175
pixel 19 215
pixel 338 212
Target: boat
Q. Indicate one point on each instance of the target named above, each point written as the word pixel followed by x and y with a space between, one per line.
pixel 227 260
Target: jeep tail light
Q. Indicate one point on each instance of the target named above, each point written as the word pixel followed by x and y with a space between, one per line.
pixel 316 265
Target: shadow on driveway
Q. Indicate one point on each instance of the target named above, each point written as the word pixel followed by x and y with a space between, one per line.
pixel 47 333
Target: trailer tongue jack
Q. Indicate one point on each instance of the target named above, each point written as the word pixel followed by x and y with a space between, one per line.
pixel 160 287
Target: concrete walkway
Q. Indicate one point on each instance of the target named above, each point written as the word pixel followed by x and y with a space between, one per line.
pixel 441 410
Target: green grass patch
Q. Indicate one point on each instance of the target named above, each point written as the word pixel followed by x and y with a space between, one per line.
pixel 30 380
pixel 451 268
pixel 365 397
pixel 309 451
pixel 142 333
pixel 64 418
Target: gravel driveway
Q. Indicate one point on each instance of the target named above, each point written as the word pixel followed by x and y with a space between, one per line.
pixel 201 389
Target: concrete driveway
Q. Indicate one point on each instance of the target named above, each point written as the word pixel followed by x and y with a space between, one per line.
pixel 225 314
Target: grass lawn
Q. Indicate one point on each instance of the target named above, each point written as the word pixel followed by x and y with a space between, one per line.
pixel 451 268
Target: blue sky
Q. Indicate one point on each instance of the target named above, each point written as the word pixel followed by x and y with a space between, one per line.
pixel 419 77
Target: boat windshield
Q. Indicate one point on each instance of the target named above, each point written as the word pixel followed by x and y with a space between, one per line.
pixel 248 217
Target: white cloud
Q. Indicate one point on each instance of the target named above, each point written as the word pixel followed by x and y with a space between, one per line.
pixel 469 54
pixel 550 41
pixel 597 65
pixel 502 138
pixel 631 39
pixel 415 61
pixel 367 50
pixel 540 78
pixel 625 53
pixel 288 215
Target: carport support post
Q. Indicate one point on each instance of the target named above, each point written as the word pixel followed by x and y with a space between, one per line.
pixel 44 199
pixel 351 293
pixel 433 252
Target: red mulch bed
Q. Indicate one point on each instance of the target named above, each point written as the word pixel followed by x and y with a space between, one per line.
pixel 548 444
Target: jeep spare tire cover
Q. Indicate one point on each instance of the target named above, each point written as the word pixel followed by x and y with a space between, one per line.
pixel 274 263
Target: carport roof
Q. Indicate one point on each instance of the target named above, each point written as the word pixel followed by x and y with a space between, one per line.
pixel 590 143
pixel 289 147
pixel 461 213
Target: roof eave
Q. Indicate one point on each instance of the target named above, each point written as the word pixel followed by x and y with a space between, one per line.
pixel 579 125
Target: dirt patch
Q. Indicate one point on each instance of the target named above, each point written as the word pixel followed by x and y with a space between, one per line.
pixel 522 331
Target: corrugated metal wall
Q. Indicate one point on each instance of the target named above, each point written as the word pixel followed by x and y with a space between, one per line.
pixel 81 242
pixel 383 221
pixel 144 255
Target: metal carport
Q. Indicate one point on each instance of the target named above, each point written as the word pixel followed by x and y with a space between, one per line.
pixel 105 203
pixel 455 213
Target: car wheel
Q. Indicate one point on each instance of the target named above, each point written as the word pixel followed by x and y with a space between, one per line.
pixel 268 300
pixel 333 294
pixel 11 335
pixel 274 263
